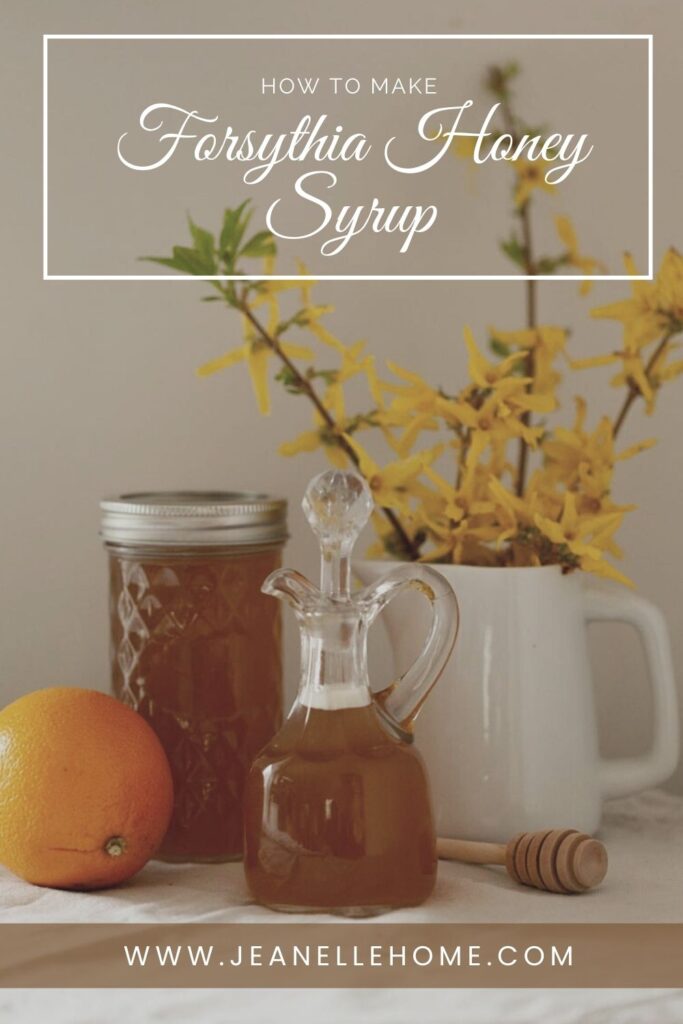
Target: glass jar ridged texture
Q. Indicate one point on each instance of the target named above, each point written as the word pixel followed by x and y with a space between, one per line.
pixel 196 647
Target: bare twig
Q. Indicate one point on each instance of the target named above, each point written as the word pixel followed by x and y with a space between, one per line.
pixel 531 319
pixel 531 296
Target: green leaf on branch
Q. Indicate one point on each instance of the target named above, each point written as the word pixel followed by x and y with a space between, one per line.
pixel 289 381
pixel 498 78
pixel 188 261
pixel 549 264
pixel 499 347
pixel 235 223
pixel 204 244
pixel 328 376
pixel 513 250
pixel 259 245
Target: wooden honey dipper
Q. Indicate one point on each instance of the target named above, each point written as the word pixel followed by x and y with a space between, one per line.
pixel 556 860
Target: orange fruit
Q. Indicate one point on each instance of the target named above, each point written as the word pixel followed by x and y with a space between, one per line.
pixel 85 789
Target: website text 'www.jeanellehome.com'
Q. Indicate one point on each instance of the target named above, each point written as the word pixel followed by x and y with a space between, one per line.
pixel 376 955
pixel 349 955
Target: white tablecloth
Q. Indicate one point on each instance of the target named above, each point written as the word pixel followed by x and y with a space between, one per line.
pixel 644 836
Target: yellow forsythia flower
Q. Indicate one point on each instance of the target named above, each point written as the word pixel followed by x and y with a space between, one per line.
pixel 391 484
pixel 586 264
pixel 531 175
pixel 256 353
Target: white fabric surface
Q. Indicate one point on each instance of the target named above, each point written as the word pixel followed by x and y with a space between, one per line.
pixel 644 835
pixel 344 1006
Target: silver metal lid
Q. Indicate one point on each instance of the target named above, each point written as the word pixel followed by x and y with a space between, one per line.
pixel 193 519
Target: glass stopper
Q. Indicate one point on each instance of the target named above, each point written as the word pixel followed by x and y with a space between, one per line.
pixel 337 505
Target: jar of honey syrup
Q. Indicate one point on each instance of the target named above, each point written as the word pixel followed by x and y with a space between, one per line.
pixel 196 646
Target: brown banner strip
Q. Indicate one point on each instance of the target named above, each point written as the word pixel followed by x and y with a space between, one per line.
pixel 349 955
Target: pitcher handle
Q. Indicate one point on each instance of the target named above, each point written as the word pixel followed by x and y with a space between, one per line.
pixel 402 699
pixel 624 775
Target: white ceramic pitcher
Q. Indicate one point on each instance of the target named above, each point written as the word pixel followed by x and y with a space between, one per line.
pixel 510 732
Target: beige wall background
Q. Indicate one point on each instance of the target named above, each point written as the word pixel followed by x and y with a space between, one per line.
pixel 98 392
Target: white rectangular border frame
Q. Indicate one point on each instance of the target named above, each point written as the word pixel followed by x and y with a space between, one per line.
pixel 354 277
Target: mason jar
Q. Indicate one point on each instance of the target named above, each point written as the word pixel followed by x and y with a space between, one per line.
pixel 196 646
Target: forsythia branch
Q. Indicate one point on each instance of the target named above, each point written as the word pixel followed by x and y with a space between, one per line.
pixel 307 388
pixel 633 390
pixel 529 269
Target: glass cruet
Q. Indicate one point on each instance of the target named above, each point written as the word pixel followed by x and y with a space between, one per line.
pixel 338 815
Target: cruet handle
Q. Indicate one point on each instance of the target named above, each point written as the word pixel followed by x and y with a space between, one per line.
pixel 402 699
